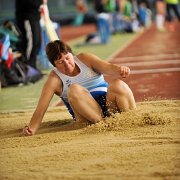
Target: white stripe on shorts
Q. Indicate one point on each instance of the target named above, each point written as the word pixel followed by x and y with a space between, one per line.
pixel 99 89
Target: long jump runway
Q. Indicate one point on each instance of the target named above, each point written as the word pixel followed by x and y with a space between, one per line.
pixel 154 60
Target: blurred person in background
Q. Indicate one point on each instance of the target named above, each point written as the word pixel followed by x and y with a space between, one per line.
pixel 82 9
pixel 28 21
pixel 172 5
pixel 102 24
pixel 128 16
pixel 106 9
pixel 111 8
pixel 81 6
pixel 160 14
pixel 145 14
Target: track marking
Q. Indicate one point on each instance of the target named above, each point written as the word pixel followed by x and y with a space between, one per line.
pixel 162 70
pixel 150 57
pixel 162 62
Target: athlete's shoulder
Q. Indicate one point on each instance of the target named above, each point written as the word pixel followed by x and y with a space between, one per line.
pixel 86 58
pixel 53 76
pixel 84 55
pixel 53 80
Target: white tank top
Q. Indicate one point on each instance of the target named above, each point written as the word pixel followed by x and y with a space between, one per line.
pixel 87 78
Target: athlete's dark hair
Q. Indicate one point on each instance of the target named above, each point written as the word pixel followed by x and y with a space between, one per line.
pixel 54 50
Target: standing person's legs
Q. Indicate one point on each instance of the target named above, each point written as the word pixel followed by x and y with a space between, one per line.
pixel 176 11
pixel 160 15
pixel 36 42
pixel 119 97
pixel 23 35
pixel 168 9
pixel 169 17
pixel 84 105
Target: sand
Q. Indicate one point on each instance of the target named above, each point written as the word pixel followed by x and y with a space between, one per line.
pixel 140 144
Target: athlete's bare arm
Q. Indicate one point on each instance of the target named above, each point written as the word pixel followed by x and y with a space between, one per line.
pixel 52 86
pixel 102 66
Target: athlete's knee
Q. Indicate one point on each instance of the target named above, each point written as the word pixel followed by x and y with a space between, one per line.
pixel 119 86
pixel 74 91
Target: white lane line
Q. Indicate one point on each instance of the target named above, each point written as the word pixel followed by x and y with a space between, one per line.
pixel 164 62
pixel 149 57
pixel 162 70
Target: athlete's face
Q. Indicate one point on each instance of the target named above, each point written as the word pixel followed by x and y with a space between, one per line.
pixel 65 64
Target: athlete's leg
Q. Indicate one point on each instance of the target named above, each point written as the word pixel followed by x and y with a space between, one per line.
pixel 83 104
pixel 176 10
pixel 119 97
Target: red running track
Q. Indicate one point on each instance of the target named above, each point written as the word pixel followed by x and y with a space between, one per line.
pixel 154 59
pixel 72 32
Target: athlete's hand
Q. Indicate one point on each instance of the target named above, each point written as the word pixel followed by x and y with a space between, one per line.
pixel 27 131
pixel 124 71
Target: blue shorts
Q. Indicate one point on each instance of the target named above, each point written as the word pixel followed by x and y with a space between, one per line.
pixel 99 94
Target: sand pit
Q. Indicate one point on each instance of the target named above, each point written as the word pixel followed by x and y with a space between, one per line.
pixel 141 144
